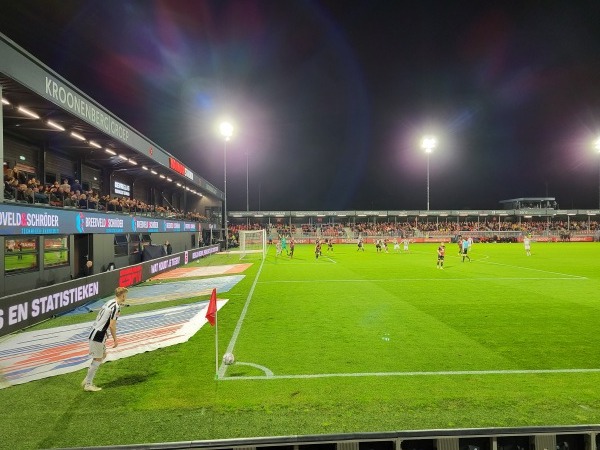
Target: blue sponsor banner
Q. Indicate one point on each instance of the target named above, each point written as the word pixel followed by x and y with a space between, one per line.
pixel 21 220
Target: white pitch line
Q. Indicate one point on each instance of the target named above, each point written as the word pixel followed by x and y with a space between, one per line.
pixel 401 280
pixel 414 374
pixel 238 326
pixel 536 270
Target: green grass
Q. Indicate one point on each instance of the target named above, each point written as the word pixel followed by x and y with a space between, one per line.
pixel 392 329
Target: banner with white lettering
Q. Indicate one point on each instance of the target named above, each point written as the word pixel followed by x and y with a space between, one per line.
pixel 20 220
pixel 28 308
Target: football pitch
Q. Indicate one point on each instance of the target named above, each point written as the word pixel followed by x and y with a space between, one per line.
pixel 350 342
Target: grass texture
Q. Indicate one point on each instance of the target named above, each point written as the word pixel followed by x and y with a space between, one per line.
pixel 355 342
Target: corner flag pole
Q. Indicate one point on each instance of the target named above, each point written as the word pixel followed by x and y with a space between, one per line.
pixel 211 316
pixel 216 344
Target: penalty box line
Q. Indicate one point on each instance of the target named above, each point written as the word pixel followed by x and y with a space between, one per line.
pixel 413 374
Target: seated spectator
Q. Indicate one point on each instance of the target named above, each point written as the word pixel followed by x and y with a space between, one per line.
pixel 93 201
pixel 10 188
pixel 66 187
pixel 22 193
pixel 82 201
pixel 39 197
pixel 113 205
pixel 70 201
pixel 55 197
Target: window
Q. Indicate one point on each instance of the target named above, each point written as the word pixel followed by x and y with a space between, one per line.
pixel 121 245
pixel 20 254
pixel 134 244
pixel 56 251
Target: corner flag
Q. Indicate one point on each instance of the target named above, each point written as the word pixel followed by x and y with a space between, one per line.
pixel 211 311
pixel 211 316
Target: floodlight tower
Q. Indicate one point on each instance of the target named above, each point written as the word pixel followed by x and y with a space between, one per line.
pixel 226 130
pixel 428 144
pixel 597 147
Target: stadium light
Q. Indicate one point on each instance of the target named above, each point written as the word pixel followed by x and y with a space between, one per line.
pixel 226 130
pixel 428 144
pixel 597 147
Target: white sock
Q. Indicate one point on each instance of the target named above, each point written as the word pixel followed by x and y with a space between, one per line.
pixel 89 379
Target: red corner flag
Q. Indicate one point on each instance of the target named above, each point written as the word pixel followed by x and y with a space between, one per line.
pixel 211 311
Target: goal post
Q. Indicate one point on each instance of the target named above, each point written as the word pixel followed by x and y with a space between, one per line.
pixel 253 241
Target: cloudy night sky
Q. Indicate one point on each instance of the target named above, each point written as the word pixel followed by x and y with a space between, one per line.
pixel 330 99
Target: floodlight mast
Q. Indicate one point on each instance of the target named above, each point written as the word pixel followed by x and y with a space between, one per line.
pixel 597 147
pixel 226 130
pixel 428 144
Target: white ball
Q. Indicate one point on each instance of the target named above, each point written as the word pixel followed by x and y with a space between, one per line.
pixel 228 359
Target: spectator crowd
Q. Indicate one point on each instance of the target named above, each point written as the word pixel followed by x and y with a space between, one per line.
pixel 21 188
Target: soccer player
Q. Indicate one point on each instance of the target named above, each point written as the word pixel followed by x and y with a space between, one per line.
pixel 465 250
pixel 378 245
pixel 278 248
pixel 105 321
pixel 329 244
pixel 441 252
pixel 396 245
pixel 284 245
pixel 527 245
pixel 292 247
pixel 317 249
pixel 405 241
pixel 361 245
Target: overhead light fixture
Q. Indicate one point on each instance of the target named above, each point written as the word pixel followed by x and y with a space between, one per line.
pixel 77 136
pixel 108 150
pixel 161 175
pixel 133 161
pixel 154 172
pixel 168 179
pixel 28 112
pixel 55 125
pixel 144 167
pixel 178 184
pixel 124 158
pixel 5 102
pixel 95 144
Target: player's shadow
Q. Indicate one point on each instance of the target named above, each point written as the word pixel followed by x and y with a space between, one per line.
pixel 129 380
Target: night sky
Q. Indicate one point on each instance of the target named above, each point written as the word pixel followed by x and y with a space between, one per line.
pixel 330 99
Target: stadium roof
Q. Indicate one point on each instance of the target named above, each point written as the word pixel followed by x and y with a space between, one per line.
pixel 39 106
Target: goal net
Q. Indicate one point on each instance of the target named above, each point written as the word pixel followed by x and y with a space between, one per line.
pixel 253 241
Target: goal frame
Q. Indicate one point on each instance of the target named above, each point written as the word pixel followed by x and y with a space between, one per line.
pixel 255 245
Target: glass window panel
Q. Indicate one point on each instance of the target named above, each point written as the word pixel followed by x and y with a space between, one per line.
pixel 56 251
pixel 20 254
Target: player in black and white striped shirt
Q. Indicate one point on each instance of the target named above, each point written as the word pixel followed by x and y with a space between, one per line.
pixel 106 321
